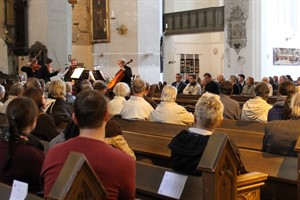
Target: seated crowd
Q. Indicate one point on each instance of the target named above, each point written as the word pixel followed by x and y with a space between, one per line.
pixel 85 123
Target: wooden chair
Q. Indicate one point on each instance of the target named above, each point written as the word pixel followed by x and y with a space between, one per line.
pixel 77 180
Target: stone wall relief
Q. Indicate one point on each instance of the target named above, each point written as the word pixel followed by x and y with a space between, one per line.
pixel 236 29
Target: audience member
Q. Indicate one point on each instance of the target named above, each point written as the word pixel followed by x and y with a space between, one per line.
pixel 15 91
pixel 113 136
pixel 241 79
pixel 45 127
pixel 115 169
pixel 282 79
pixel 168 111
pixel 2 94
pixel 266 81
pixel 275 78
pixel 147 98
pixel 210 85
pixel 137 108
pixel 192 87
pixel 59 109
pixel 220 78
pixel 257 109
pixel 100 86
pixel 249 87
pixel 281 109
pixel 70 98
pixel 281 135
pixel 21 154
pixel 115 106
pixel 274 86
pixel 188 146
pixel 237 88
pixel 289 78
pixel 232 109
pixel 179 84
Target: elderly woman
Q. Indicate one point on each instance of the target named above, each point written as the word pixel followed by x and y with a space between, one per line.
pixel 249 87
pixel 59 109
pixel 115 106
pixel 21 154
pixel 168 111
pixel 137 108
pixel 281 135
pixel 257 109
pixel 188 146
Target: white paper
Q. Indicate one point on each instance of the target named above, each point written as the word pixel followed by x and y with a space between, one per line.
pixel 172 185
pixel 19 190
pixel 77 73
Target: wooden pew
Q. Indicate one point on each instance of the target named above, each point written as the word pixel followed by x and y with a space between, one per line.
pixel 213 184
pixel 150 140
pixel 245 134
pixel 189 101
pixel 5 191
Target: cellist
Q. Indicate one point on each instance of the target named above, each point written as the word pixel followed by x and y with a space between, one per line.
pixel 126 71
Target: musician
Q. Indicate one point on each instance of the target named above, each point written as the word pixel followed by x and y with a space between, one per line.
pixel 71 69
pixel 31 68
pixel 47 71
pixel 126 71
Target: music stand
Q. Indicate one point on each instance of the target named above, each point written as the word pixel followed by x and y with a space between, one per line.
pixel 98 75
pixel 80 73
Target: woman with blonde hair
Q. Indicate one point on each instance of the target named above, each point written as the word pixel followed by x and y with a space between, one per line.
pixel 168 111
pixel 59 109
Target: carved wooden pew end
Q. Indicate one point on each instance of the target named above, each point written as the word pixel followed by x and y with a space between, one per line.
pixel 77 180
pixel 220 165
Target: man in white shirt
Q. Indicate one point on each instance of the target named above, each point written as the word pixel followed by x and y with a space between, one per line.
pixel 193 87
pixel 137 108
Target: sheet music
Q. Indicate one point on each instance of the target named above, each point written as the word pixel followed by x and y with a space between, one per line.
pixel 19 190
pixel 172 185
pixel 77 73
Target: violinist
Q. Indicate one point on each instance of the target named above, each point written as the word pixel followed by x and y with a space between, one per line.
pixel 31 68
pixel 47 71
pixel 126 71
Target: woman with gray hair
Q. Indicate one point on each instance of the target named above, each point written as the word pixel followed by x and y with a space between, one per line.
pixel 281 135
pixel 188 146
pixel 168 111
pixel 115 106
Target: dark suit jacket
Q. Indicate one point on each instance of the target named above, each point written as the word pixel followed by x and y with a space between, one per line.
pixel 43 73
pixel 180 88
pixel 281 137
pixel 127 75
pixel 212 87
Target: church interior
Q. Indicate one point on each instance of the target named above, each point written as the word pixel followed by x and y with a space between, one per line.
pixel 201 97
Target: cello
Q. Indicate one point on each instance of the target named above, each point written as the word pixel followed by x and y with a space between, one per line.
pixel 118 77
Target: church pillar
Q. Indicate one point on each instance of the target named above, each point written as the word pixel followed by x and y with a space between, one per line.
pixel 50 22
pixel 242 33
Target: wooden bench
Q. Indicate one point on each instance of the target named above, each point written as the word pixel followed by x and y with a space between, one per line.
pixel 150 140
pixel 5 191
pixel 219 179
pixel 189 101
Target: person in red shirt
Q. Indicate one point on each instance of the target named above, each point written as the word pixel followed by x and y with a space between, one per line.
pixel 115 169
